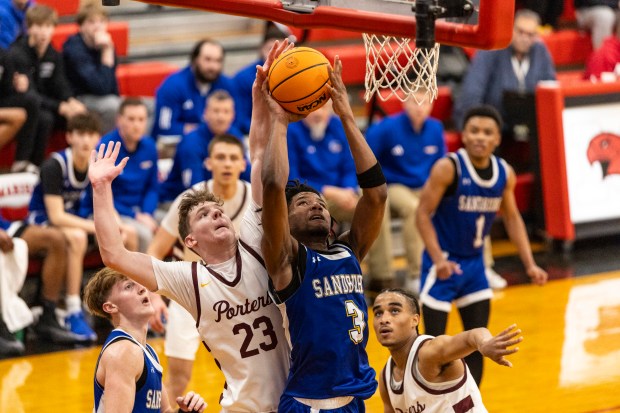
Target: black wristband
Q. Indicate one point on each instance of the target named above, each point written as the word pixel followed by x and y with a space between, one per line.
pixel 372 177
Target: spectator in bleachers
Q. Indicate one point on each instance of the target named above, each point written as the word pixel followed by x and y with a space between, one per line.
pixel 90 63
pixel 605 59
pixel 180 100
pixel 519 68
pixel 49 243
pixel 407 145
pixel 12 20
pixel 319 155
pixel 548 10
pixel 15 100
pixel 226 161
pixel 601 17
pixel 188 166
pixel 11 118
pixel 56 202
pixel 135 190
pixel 244 79
pixel 34 56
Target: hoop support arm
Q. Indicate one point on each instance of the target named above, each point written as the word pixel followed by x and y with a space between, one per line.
pixel 493 31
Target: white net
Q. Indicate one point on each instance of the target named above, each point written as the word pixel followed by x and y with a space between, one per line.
pixel 396 66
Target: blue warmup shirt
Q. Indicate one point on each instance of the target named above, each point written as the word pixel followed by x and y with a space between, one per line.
pixel 136 188
pixel 321 162
pixel 178 101
pixel 148 386
pixel 188 165
pixel 73 190
pixel 12 22
pixel 328 325
pixel 405 155
pixel 243 80
pixel 463 219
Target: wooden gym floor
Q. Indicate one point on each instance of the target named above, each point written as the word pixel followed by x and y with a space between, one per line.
pixel 569 360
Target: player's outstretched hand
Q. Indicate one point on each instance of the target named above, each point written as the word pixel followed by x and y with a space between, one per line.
pixel 279 47
pixel 191 402
pixel 537 275
pixel 277 111
pixel 103 166
pixel 496 348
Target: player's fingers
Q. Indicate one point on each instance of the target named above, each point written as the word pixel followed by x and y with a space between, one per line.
pixel 508 343
pixel 503 362
pixel 509 328
pixel 93 156
pixel 101 151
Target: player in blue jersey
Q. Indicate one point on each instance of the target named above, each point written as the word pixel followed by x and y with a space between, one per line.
pixel 318 284
pixel 459 201
pixel 128 376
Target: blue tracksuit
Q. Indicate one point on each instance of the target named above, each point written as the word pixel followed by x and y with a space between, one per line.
pixel 244 79
pixel 405 155
pixel 179 101
pixel 188 165
pixel 136 189
pixel 325 162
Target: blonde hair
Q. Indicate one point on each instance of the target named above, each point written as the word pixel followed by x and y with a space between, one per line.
pixel 98 290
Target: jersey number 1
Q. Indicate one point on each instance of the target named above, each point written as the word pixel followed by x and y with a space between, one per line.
pixel 357 332
pixel 479 228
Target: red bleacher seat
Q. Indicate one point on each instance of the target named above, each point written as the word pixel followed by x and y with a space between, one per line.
pixel 143 78
pixel 524 191
pixel 118 30
pixel 62 7
pixel 568 47
pixel 353 58
pixel 571 76
pixel 568 13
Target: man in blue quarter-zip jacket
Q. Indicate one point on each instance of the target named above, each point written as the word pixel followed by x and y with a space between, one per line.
pixel 135 191
pixel 181 98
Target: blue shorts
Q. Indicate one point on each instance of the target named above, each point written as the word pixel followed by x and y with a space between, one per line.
pixel 467 288
pixel 288 404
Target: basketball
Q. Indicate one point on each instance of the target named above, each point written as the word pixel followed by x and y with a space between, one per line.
pixel 298 80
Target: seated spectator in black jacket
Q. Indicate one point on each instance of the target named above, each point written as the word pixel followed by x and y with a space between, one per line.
pixel 90 63
pixel 35 57
pixel 11 117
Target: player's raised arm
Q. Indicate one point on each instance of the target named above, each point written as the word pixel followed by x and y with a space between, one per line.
pixel 279 247
pixel 260 124
pixel 435 357
pixel 101 172
pixel 368 214
pixel 517 232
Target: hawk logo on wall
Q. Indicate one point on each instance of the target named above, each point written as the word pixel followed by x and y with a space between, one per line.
pixel 605 149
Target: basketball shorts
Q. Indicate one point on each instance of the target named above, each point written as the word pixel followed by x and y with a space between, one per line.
pixel 463 289
pixel 182 338
pixel 289 404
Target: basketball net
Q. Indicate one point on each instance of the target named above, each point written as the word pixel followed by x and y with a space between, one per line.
pixel 395 65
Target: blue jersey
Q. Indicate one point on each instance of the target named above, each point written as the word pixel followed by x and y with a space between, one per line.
pixel 148 386
pixel 463 219
pixel 326 313
pixel 72 191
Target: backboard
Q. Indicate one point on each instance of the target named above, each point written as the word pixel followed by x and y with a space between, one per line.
pixel 490 27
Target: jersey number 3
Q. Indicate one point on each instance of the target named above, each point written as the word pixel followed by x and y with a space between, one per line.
pixel 357 332
pixel 263 323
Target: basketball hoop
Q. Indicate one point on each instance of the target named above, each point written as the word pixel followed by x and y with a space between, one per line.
pixel 403 66
pixel 396 65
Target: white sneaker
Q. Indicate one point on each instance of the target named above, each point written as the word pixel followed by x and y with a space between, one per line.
pixel 496 281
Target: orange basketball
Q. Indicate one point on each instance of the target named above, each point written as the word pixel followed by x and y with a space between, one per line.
pixel 298 80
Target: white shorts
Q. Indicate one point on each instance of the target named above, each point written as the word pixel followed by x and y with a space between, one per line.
pixel 182 338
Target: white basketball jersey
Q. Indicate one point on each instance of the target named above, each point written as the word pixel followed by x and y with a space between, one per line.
pixel 237 321
pixel 414 394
